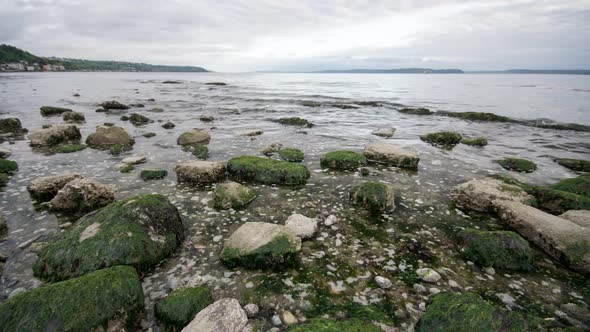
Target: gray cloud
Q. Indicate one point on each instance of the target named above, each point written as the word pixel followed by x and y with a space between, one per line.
pixel 241 35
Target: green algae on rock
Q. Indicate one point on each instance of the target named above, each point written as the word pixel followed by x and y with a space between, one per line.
pixel 503 250
pixel 70 148
pixel 518 165
pixel 577 165
pixel 52 110
pixel 579 185
pixel 444 139
pixel 328 325
pixel 180 307
pixel 11 126
pixel 343 160
pixel 8 166
pixel 476 116
pixel 113 105
pixel 294 121
pixel 153 174
pixel 80 304
pixel 416 111
pixel 267 171
pixel 291 155
pixel 373 196
pixel 138 231
pixel 232 195
pixel 474 141
pixel 126 168
pixel 201 152
pixel 3 180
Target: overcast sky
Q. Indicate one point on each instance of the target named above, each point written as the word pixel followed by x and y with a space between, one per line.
pixel 245 35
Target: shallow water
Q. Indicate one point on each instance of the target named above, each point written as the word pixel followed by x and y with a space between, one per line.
pixel 344 258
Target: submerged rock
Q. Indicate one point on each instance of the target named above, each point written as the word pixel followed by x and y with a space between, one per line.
pixel 416 111
pixel 374 196
pixel 138 119
pixel 194 137
pixel 79 304
pixel 70 148
pixel 503 250
pixel 180 307
pixel 225 315
pixel 577 165
pixel 153 174
pixel 392 155
pixel 52 110
pixel 44 189
pixel 260 245
pixel 8 166
pixel 343 160
pixel 474 141
pixel 75 117
pixel 54 135
pixel 291 155
pixel 479 195
pixel 200 172
pixel 301 225
pixel 443 139
pixel 232 195
pixel 138 231
pixel 267 171
pixel 3 233
pixel 11 126
pixel 82 195
pixel 168 125
pixel 201 152
pixel 206 118
pixel 518 165
pixel 294 121
pixel 108 136
pixel 384 132
pixel 113 105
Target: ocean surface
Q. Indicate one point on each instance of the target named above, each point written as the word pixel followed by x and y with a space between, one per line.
pixel 346 109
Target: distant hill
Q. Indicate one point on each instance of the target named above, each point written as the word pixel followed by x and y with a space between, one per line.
pixel 535 71
pixel 394 71
pixel 10 54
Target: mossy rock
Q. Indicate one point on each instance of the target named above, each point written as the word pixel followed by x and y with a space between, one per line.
pixel 518 165
pixel 474 141
pixel 444 139
pixel 117 149
pixel 80 304
pixel 503 250
pixel 114 105
pixel 291 155
pixel 343 160
pixel 267 171
pixel 8 166
pixel 138 119
pixel 294 121
pixel 328 325
pixel 467 312
pixel 11 126
pixel 153 174
pixel 416 111
pixel 127 168
pixel 52 110
pixel 71 148
pixel 180 307
pixel 201 152
pixel 579 185
pixel 232 195
pixel 373 196
pixel 577 165
pixel 3 180
pixel 477 116
pixel 138 231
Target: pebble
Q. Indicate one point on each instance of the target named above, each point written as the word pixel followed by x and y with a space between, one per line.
pixel 251 310
pixel 217 238
pixel 419 288
pixel 490 270
pixel 506 299
pixel 428 275
pixel 383 282
pixel 276 320
pixel 288 318
pixel 331 220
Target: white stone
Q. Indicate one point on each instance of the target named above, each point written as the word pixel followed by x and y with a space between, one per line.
pixel 384 132
pixel 134 160
pixel 383 282
pixel 225 315
pixel 251 310
pixel 428 275
pixel 331 220
pixel 301 225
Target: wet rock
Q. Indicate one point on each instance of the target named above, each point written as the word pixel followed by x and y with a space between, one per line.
pixel 138 105
pixel 232 195
pixel 579 185
pixel 294 121
pixel 374 196
pixel 479 195
pixel 5 152
pixel 343 160
pixel 267 171
pixel 70 148
pixel 260 245
pixel 11 126
pixel 4 178
pixel 180 307
pixel 149 135
pixel 16 292
pixel 474 141
pixel 518 165
pixel 3 231
pixel 384 132
pixel 580 217
pixel 443 139
pixel 52 110
pixel 251 310
pixel 428 275
pixel 168 125
pixel 224 315
pixel 254 133
pixel 171 82
pixel 138 119
pixel 561 239
pixel 271 149
pixel 504 250
pixel 388 154
pixel 134 160
pixel 301 225
pixel 291 155
pixel 156 110
pixel 194 137
pixel 139 231
pixel 114 105
pixel 64 306
pixel 8 166
pixel 206 118
pixel 577 165
pixel 153 174
pixel 54 135
pixel 75 117
pixel 416 111
pixel 383 282
pixel 44 189
pixel 200 172
pixel 108 136
pixel 82 195
pixel 125 168
pixel 201 152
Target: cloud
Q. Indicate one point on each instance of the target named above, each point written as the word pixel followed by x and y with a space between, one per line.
pixel 242 35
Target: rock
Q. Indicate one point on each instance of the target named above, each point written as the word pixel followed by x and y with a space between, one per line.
pixel 108 136
pixel 579 185
pixel 114 105
pixel 139 231
pixel 416 111
pixel 276 320
pixel 474 141
pixel 479 195
pixel 294 121
pixel 134 160
pixel 124 118
pixel 331 220
pixel 232 195
pixel 251 310
pixel 153 174
pixel 260 245
pixel 73 117
pixel 428 275
pixel 117 149
pixel 52 110
pixel 149 135
pixel 388 154
pixel 3 231
pixel 466 312
pixel 383 282
pixel 384 132
pixel 291 155
pixel 168 125
pixel 329 325
pixel 200 172
pixel 216 83
pixel 65 306
pixel 374 196
pixel 54 135
pixel 138 119
pixel 16 292
pixel 138 105
pixel 503 250
pixel 561 239
pixel 82 195
pixel 70 148
pixel 8 166
pixel 271 149
pixel 125 168
pixel 201 152
pixel 254 133
pixel 180 307
pixel 443 139
pixel 580 217
pixel 301 225
pixel 518 165
pixel 267 171
pixel 343 160
pixel 288 318
pixel 4 178
pixel 577 165
pixel 156 110
pixel 11 126
pixel 206 118
pixel 4 152
pixel 224 315
pixel 44 189
pixel 194 137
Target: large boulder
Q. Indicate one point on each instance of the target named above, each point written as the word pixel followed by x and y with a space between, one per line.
pixel 374 196
pixel 479 194
pixel 52 110
pixel 267 171
pixel 232 195
pixel 82 195
pixel 580 217
pixel 260 245
pixel 194 137
pixel 392 155
pixel 180 307
pixel 343 160
pixel 54 135
pixel 560 238
pixel 503 250
pixel 199 172
pixel 225 315
pixel 10 126
pixel 106 136
pixel 81 304
pixel 138 231
pixel 44 189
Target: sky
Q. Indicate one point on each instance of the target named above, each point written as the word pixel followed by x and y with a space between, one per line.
pixel 304 35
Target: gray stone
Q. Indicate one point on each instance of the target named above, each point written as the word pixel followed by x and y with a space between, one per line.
pixel 251 310
pixel 384 132
pixel 580 217
pixel 383 282
pixel 389 154
pixel 5 152
pixel 106 136
pixel 134 160
pixel 83 195
pixel 479 195
pixel 194 137
pixel 301 225
pixel 200 172
pixel 224 315
pixel 54 135
pixel 428 275
pixel 47 187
